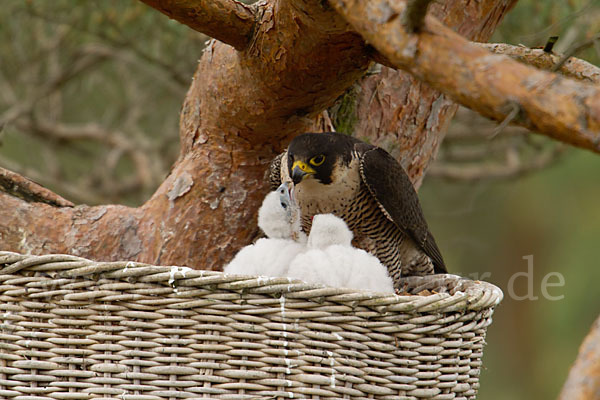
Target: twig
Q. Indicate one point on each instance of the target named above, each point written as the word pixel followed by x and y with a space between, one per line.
pixel 576 68
pixel 120 48
pixel 73 191
pixel 574 50
pixel 512 167
pixel 468 155
pixel 514 111
pixel 550 44
pixel 77 66
pixel 19 186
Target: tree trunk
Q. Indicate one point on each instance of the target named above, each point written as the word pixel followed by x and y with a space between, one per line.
pixel 583 382
pixel 242 108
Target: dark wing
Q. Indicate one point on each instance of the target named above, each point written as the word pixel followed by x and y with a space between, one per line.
pixel 389 184
pixel 275 171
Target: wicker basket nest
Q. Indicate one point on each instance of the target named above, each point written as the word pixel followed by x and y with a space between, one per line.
pixel 79 329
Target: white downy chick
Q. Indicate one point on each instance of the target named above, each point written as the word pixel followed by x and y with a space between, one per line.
pixel 279 216
pixel 331 260
pixel 274 216
pixel 271 256
pixel 266 257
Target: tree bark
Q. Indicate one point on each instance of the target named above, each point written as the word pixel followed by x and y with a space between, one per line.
pixel 242 108
pixel 23 188
pixel 572 68
pixel 583 382
pixel 495 86
pixel 229 21
pixel 408 118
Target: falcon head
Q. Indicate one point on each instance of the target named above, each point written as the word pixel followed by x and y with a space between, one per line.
pixel 319 156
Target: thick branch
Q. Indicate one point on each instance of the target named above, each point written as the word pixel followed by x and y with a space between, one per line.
pixel 574 68
pixel 583 381
pixel 558 107
pixel 398 112
pixel 242 108
pixel 228 21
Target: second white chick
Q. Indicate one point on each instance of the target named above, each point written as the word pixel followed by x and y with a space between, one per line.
pixel 270 256
pixel 331 260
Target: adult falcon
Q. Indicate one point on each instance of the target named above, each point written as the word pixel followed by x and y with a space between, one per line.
pixel 366 187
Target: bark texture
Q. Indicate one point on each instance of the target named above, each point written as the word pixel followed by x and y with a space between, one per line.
pixel 396 111
pixel 23 188
pixel 242 108
pixel 572 68
pixel 495 86
pixel 229 21
pixel 583 382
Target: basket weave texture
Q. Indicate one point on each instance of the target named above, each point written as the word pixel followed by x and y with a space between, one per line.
pixel 78 329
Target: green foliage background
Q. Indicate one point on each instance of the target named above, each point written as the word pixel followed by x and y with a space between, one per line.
pixel 133 95
pixel 138 66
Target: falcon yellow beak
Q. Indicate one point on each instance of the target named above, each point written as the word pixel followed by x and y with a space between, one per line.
pixel 301 170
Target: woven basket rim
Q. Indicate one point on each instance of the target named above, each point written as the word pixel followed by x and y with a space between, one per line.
pixel 457 293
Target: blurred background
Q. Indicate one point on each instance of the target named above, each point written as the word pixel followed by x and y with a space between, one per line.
pixel 81 83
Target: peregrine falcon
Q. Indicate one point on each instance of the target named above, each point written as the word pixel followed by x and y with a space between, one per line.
pixel 366 187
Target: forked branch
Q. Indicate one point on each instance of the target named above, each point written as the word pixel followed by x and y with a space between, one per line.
pixel 558 107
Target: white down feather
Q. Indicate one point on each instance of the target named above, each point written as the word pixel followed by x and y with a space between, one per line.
pixel 269 256
pixel 331 260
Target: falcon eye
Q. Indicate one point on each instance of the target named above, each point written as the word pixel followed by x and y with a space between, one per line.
pixel 317 160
